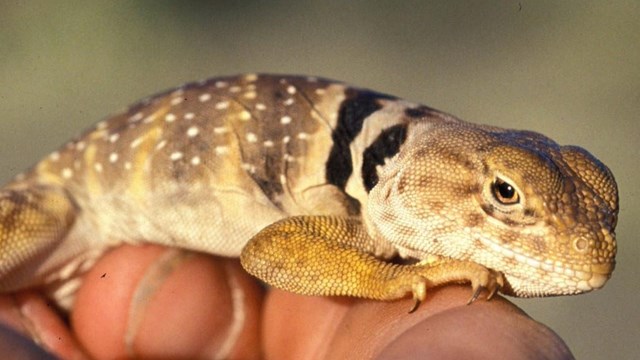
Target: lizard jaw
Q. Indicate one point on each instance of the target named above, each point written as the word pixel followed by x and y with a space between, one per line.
pixel 535 278
pixel 546 277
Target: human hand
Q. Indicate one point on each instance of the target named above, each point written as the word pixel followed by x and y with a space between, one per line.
pixel 151 301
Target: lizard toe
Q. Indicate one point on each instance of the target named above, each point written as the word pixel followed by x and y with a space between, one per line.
pixel 487 280
pixel 419 291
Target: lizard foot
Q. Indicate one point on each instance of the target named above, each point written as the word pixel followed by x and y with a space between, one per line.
pixel 444 271
pixel 489 280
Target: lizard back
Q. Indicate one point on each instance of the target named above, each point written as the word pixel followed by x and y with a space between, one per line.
pixel 207 165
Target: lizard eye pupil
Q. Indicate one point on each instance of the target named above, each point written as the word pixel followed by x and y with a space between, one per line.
pixel 505 193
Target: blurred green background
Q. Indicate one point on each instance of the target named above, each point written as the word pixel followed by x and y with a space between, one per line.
pixel 568 69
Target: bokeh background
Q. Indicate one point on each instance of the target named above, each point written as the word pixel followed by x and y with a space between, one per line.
pixel 568 69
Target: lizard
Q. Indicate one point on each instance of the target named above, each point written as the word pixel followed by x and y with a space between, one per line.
pixel 317 186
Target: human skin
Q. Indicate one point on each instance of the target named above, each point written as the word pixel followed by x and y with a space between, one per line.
pixel 151 301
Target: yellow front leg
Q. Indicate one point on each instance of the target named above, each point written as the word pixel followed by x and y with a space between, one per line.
pixel 324 255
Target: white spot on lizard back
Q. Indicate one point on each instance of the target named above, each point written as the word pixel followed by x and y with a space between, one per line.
pixel 176 156
pixel 251 137
pixel 193 131
pixel 170 118
pixel 245 115
pixel 161 144
pixel 222 150
pixel 136 117
pixel 248 167
pixel 251 77
pixel 268 143
pixel 220 130
pixel 113 157
pixel 189 116
pixel 204 97
pixel 222 105
pixel 67 173
pixel 149 119
pixel 285 120
pixel 136 142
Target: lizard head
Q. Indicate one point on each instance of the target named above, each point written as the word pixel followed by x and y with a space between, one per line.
pixel 514 201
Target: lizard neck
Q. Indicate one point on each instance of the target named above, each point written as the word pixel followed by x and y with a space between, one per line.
pixel 369 132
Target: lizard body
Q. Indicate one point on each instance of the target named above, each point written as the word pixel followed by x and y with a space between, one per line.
pixel 337 177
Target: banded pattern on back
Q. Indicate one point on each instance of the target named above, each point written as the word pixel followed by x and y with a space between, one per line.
pixel 294 145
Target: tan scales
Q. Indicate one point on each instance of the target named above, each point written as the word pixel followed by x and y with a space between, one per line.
pixel 328 182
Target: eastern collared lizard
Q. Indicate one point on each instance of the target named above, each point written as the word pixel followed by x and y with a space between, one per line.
pixel 328 181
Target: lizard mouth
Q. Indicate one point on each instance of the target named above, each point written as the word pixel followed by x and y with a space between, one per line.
pixel 600 273
pixel 596 281
pixel 580 282
pixel 563 279
pixel 558 279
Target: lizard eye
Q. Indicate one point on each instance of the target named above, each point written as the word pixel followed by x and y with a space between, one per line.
pixel 504 192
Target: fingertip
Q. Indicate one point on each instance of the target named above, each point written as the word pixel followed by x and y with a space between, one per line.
pixel 478 331
pixel 29 314
pixel 151 301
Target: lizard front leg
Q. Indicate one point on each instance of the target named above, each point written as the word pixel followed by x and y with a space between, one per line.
pixel 323 255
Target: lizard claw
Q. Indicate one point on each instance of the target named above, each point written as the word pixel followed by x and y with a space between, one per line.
pixel 419 290
pixel 491 281
pixel 415 306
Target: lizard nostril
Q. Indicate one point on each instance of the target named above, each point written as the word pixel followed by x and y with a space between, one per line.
pixel 581 244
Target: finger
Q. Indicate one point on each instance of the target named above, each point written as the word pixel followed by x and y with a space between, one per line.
pixel 443 327
pixel 31 315
pixel 295 326
pixel 152 301
pixel 484 330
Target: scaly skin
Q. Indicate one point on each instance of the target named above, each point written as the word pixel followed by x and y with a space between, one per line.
pixel 358 177
pixel 318 241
